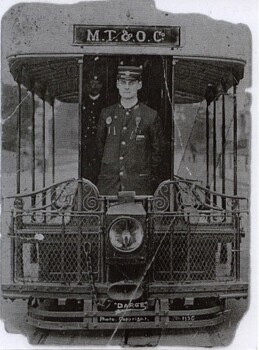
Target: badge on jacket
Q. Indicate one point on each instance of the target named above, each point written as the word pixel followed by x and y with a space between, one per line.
pixel 108 120
pixel 140 137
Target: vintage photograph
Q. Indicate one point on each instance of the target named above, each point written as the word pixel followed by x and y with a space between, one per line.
pixel 125 175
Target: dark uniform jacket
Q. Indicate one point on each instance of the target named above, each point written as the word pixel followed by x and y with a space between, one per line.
pixel 130 148
pixel 90 116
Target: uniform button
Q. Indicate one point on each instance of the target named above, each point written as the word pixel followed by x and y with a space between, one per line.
pixel 121 173
pixel 121 158
pixel 127 113
pixel 123 143
pixel 93 103
pixel 124 128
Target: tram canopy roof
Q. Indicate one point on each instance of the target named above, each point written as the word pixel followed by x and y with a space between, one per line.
pixel 38 42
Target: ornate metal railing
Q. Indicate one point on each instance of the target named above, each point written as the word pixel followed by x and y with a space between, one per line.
pixel 51 203
pixel 188 196
pixel 192 237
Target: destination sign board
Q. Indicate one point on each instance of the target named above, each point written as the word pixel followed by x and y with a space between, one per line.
pixel 127 35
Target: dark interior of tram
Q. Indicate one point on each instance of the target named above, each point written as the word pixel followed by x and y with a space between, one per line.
pixel 155 69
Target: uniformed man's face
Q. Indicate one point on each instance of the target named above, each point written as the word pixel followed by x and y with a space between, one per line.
pixel 128 89
pixel 94 87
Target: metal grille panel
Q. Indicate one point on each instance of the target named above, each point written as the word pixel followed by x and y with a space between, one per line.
pixel 190 250
pixel 45 253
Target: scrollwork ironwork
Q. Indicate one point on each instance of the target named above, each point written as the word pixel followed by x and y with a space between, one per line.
pixel 38 217
pixel 188 197
pixel 161 197
pixel 58 201
pixel 91 201
pixel 63 196
pixel 18 203
pixel 187 194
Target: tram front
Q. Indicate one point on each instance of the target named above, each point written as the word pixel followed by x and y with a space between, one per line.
pixel 123 256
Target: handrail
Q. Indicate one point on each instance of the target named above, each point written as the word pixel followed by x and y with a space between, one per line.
pixel 191 188
pixel 190 194
pixel 223 195
pixel 202 188
pixel 62 195
pixel 44 189
pixel 114 197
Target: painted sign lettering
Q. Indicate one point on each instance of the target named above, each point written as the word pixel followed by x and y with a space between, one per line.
pixel 130 35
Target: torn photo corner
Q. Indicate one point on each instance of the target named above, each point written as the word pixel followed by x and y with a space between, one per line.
pixel 125 173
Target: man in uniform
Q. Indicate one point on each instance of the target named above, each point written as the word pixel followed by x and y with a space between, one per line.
pixel 93 103
pixel 129 140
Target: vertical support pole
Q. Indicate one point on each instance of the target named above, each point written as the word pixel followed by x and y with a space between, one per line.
pixel 237 217
pixel 207 152
pixel 80 106
pixel 214 151
pixel 223 151
pixel 235 139
pixel 43 151
pixel 188 247
pixel 172 199
pixel 17 245
pixel 102 237
pixel 165 95
pixel 43 144
pixel 79 233
pixel 62 270
pixel 18 156
pixel 80 102
pixel 173 121
pixel 13 248
pixel 33 148
pixel 53 142
pixel 223 251
pixel 79 243
pixel 207 147
pixel 53 148
pixel 237 245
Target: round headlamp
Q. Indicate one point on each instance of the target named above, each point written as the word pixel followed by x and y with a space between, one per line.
pixel 126 234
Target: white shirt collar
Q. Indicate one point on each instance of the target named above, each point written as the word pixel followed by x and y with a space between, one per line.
pixel 133 103
pixel 94 97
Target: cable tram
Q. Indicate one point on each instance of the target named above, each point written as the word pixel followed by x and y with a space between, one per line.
pixel 181 260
